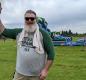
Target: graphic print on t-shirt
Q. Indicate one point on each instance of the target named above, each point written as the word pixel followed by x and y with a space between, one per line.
pixel 27 43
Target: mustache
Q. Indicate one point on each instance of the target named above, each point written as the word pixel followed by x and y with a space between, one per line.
pixel 28 28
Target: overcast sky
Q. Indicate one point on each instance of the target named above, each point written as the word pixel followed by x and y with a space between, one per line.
pixel 60 14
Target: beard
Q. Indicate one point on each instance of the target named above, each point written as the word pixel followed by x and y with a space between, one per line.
pixel 30 28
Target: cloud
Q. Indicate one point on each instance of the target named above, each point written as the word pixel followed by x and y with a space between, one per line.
pixel 57 12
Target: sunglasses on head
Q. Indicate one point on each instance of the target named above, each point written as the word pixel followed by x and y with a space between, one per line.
pixel 30 18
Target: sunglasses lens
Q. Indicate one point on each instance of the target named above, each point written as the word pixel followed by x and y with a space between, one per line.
pixel 29 18
pixel 32 19
pixel 26 19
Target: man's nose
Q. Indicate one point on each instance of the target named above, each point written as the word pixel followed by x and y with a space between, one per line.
pixel 29 19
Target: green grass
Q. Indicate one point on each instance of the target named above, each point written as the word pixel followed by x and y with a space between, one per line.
pixel 75 38
pixel 69 63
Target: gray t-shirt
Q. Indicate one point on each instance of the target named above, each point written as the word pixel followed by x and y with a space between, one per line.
pixel 29 62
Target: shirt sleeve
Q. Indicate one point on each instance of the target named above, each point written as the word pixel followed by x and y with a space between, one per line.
pixel 11 33
pixel 48 45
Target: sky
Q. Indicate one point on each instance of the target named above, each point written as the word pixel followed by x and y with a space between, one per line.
pixel 60 14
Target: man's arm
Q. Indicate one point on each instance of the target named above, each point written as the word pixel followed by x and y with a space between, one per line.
pixel 49 48
pixel 11 33
pixel 1 27
pixel 44 72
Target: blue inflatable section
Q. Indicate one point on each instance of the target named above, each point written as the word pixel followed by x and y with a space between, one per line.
pixel 67 41
pixel 60 39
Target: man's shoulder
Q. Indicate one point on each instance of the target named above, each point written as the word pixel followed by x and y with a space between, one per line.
pixel 44 33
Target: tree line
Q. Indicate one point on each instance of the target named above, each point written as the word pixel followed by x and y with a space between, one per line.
pixel 69 33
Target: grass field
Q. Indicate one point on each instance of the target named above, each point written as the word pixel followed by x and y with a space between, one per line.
pixel 75 38
pixel 69 63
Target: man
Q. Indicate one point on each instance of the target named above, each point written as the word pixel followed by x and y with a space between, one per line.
pixel 35 51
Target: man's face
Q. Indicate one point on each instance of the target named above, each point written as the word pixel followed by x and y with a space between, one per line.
pixel 0 8
pixel 30 18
